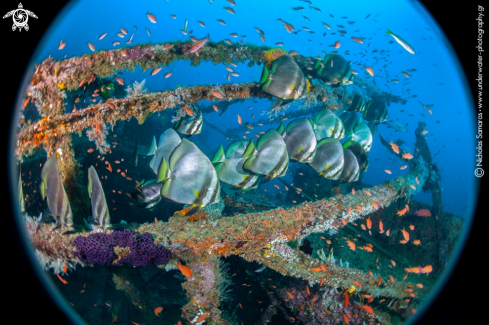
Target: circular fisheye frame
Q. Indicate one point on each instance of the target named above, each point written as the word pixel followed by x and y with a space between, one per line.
pixel 205 162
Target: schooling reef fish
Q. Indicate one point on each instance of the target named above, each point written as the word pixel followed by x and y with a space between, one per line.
pixel 225 165
pixel 52 188
pixel 189 177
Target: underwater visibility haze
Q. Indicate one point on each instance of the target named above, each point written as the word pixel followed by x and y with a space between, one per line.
pixel 244 162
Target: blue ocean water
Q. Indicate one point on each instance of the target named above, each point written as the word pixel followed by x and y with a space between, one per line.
pixel 438 79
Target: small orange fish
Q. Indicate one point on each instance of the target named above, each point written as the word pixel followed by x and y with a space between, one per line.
pixel 394 147
pixel 369 222
pixel 407 155
pixel 345 319
pixel 347 300
pixel 240 305
pixel 387 171
pixel 151 17
pixel 290 295
pixel 61 279
pixel 109 168
pixel 417 181
pixel 188 110
pixel 348 211
pixel 381 227
pixel 90 45
pixel 204 316
pixel 314 298
pixel 391 278
pixel 375 205
pixel 358 284
pixel 215 108
pixel 61 45
pixel 337 44
pixel 416 242
pixel 217 94
pixel 358 208
pixel 423 213
pixel 353 190
pixel 411 227
pixel 65 268
pixel 185 270
pixel 90 150
pixel 403 167
pixel 405 234
pixel 168 75
pixel 114 319
pixel 370 71
pixel 321 281
pixel 240 120
pixel 308 291
pixel 401 212
pixel 367 192
pixel 316 269
pixel 388 232
pixel 363 226
pixel 158 310
pixel 419 285
pixel 368 309
pixel 351 245
pixel 155 71
pixel 119 80
pixel 25 102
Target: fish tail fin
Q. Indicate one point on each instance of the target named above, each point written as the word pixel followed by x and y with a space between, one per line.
pixel 281 129
pixel 163 171
pixel 265 74
pixel 219 155
pixel 250 149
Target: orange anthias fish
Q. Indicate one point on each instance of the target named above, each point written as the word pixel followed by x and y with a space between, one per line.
pixel 155 71
pixel 199 44
pixel 358 40
pixel 151 17
pixel 351 245
pixel 90 45
pixel 394 147
pixel 119 80
pixel 215 108
pixel 337 44
pixel 423 213
pixel 347 300
pixel 381 227
pixel 417 181
pixel 368 309
pixel 416 242
pixel 369 223
pixel 201 318
pixel 407 155
pixel 375 205
pixel 290 295
pixel 321 281
pixel 370 71
pixel 427 269
pixel 217 93
pixel 188 111
pixel 387 171
pixel 240 120
pixel 405 234
pixel 185 270
pixel 158 310
pixel 367 192
pixel 61 279
pixel 401 212
pixel 61 45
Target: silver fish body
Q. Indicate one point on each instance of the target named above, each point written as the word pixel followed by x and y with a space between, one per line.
pixel 53 189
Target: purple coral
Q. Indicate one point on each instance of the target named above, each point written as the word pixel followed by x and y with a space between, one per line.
pixel 120 247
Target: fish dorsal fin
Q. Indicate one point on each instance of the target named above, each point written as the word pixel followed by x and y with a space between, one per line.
pixel 311 121
pixel 240 166
pixel 219 155
pixel 264 139
pixel 163 171
pixel 281 129
pixel 152 148
pixel 250 149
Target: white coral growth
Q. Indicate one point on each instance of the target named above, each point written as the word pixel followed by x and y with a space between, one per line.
pixel 136 89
